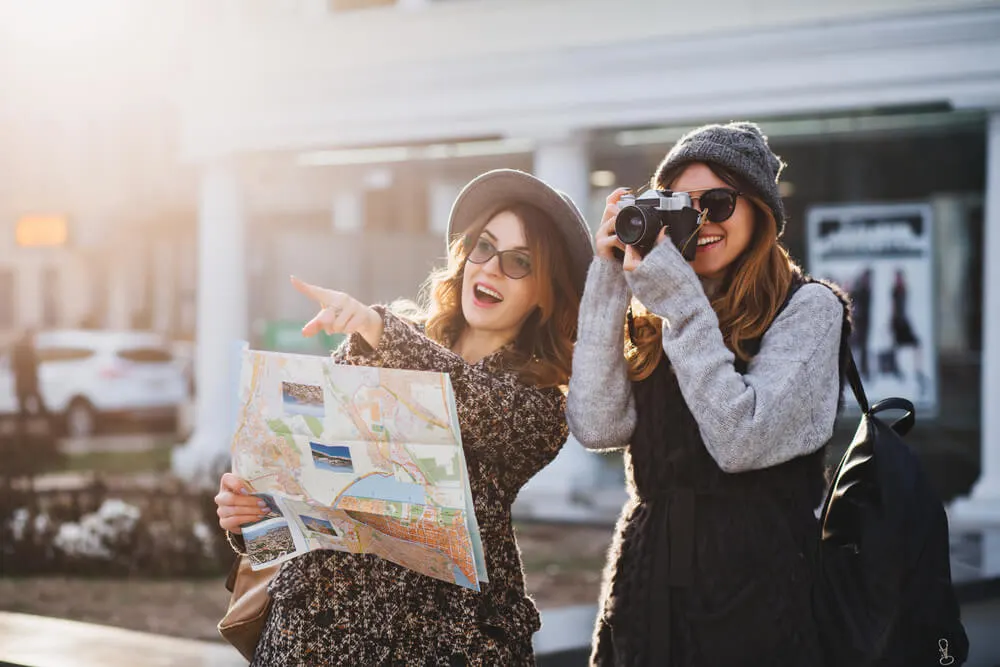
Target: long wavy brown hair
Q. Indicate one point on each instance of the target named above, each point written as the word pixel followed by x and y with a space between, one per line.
pixel 542 353
pixel 749 297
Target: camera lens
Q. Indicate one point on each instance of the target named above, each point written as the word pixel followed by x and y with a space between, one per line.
pixel 630 225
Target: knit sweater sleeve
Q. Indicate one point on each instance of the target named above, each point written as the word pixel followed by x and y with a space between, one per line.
pixel 601 408
pixel 785 405
pixel 514 428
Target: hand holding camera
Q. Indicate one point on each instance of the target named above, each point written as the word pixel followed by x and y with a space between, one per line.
pixel 606 241
pixel 641 219
pixel 631 225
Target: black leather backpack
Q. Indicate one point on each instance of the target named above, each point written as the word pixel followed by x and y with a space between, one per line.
pixel 883 592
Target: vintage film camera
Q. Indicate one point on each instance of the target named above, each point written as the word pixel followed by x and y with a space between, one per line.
pixel 640 219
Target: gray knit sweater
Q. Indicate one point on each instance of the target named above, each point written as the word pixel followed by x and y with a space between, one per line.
pixel 784 406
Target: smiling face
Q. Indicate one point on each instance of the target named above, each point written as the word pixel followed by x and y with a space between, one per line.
pixel 492 301
pixel 719 243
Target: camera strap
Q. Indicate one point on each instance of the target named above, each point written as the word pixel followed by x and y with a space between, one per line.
pixel 702 215
pixel 631 324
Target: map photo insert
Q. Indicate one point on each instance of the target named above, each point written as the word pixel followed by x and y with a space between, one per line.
pixel 268 541
pixel 302 399
pixel 332 458
pixel 318 525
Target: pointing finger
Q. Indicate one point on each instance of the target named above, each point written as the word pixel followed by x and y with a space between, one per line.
pixel 320 295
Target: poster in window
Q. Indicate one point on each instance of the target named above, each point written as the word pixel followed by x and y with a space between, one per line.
pixel 882 254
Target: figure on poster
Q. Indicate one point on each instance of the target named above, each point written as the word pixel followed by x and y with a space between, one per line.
pixel 861 299
pixel 903 335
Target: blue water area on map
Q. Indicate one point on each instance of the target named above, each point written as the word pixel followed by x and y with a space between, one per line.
pixel 387 488
pixel 460 578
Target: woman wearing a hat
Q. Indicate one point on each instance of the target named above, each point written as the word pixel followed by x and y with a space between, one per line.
pixel 501 320
pixel 723 401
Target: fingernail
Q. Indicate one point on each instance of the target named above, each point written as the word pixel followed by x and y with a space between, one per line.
pixel 262 504
pixel 243 491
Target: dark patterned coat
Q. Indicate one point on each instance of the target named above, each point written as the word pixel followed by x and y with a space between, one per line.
pixel 334 608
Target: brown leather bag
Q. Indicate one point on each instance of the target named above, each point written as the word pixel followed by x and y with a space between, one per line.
pixel 249 605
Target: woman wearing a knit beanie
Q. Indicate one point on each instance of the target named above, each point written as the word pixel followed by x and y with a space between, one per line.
pixel 723 401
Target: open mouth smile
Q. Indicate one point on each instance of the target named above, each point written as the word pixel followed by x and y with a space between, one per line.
pixel 709 241
pixel 486 295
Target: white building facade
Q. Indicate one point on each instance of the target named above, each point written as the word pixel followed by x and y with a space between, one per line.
pixel 97 217
pixel 357 122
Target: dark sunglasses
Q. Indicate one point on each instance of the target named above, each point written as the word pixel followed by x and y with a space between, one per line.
pixel 514 263
pixel 718 204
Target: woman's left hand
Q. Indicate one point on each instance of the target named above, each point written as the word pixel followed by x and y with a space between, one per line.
pixel 632 257
pixel 340 313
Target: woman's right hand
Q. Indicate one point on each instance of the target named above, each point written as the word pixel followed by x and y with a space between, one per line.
pixel 340 313
pixel 605 240
pixel 236 506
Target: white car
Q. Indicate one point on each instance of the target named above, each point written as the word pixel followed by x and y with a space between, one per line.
pixel 86 374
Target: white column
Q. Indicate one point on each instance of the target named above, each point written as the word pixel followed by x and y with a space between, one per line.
pixel 951 242
pixel 119 294
pixel 221 324
pixel 76 290
pixel 983 506
pixel 164 285
pixel 570 488
pixel 564 163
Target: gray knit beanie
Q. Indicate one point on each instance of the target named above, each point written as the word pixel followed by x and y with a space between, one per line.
pixel 739 147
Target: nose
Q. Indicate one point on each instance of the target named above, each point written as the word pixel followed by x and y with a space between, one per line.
pixel 492 266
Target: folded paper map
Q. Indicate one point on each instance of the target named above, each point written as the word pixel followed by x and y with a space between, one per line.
pixel 364 460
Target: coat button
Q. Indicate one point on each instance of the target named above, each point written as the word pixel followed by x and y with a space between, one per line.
pixel 324 618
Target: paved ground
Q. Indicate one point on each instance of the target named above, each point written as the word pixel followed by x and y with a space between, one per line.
pixel 563 565
pixel 36 641
pixel 178 608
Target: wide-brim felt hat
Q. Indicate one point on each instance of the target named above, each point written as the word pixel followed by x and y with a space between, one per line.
pixel 488 193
